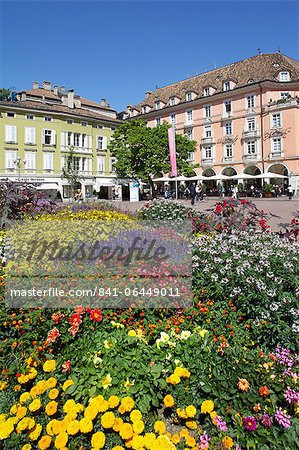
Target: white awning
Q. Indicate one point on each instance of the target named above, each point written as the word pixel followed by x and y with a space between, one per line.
pixel 270 175
pixel 47 186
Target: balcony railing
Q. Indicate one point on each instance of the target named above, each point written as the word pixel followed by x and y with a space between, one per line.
pixel 207 140
pixel 250 134
pixel 283 103
pixel 207 161
pixel 228 159
pixel 251 157
pixel 276 155
pixel 250 111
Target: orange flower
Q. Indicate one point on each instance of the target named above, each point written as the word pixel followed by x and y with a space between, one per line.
pixel 243 384
pixel 264 391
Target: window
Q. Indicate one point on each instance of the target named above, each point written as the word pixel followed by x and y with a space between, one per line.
pixel 102 143
pixel 284 76
pixel 208 131
pixel 226 86
pixel 188 96
pixel 251 148
pixel 251 124
pixel 84 124
pixel 228 150
pixel 29 135
pixel 48 119
pixel 30 161
pixel 48 137
pixel 83 164
pixel 101 164
pixel 276 120
pixel 276 145
pixel 70 121
pixel 10 133
pixel 228 106
pixel 207 110
pixel 112 164
pixel 173 119
pixel 189 134
pixel 158 105
pixel 158 121
pixel 84 140
pixel 250 101
pixel 10 159
pixel 208 152
pixel 29 117
pixel 172 101
pixel 69 138
pixel 48 161
pixel 284 95
pixel 76 163
pixel 144 110
pixel 99 126
pixel 190 156
pixel 206 91
pixel 189 115
pixel 76 139
pixel 228 127
pixel 10 114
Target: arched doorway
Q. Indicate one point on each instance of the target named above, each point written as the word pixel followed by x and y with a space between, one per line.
pixel 210 186
pixel 279 169
pixel 228 172
pixel 254 186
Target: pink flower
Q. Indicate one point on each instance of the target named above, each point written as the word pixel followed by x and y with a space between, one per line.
pixel 66 367
pixel 266 420
pixel 250 423
pixel 283 418
pixel 53 335
pixel 56 317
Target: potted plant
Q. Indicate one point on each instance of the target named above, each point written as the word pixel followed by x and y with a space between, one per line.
pixel 241 189
pixel 267 189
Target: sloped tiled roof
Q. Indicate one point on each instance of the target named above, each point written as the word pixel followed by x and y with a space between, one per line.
pixel 257 68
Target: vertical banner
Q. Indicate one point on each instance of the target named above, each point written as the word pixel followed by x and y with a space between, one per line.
pixel 172 152
pixel 134 191
pixel 118 192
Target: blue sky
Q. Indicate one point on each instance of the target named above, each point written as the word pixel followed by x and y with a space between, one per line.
pixel 119 50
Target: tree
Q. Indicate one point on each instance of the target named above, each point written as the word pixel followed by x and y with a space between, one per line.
pixel 4 94
pixel 70 171
pixel 142 152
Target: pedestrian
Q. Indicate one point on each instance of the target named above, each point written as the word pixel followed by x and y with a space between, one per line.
pixel 192 193
pixel 235 192
pixel 197 191
pixel 290 192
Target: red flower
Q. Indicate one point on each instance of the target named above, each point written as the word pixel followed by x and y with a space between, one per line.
pixel 264 391
pixel 96 315
pixel 53 335
pixel 75 320
pixel 243 201
pixel 66 367
pixel 79 309
pixel 218 209
pixel 56 317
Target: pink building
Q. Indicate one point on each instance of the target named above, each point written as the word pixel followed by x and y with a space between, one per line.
pixel 244 117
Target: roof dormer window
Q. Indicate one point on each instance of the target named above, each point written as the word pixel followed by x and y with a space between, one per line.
pixel 158 104
pixel 206 91
pixel 189 96
pixel 226 86
pixel 144 109
pixel 172 101
pixel 284 76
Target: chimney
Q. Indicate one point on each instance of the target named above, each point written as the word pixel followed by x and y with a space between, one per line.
pixel 23 96
pixel 47 85
pixel 62 88
pixel 35 85
pixel 56 89
pixel 70 98
pixel 103 102
pixel 147 94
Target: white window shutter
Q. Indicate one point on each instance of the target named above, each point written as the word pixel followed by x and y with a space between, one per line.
pixel 89 141
pixel 104 142
pixel 53 137
pixel 43 136
pixel 63 138
pixel 62 162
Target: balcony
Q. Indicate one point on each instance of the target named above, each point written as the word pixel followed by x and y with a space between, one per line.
pixel 276 155
pixel 227 115
pixel 207 161
pixel 283 103
pixel 250 111
pixel 251 157
pixel 207 140
pixel 228 159
pixel 250 134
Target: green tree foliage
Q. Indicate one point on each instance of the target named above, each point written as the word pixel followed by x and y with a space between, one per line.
pixel 70 171
pixel 4 94
pixel 143 153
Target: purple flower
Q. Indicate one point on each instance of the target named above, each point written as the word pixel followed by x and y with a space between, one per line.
pixel 291 396
pixel 266 420
pixel 250 423
pixel 283 418
pixel 204 441
pixel 221 424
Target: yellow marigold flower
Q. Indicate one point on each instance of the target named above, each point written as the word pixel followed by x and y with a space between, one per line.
pixel 190 411
pixel 44 442
pixel 69 405
pixel 17 387
pixel 213 414
pixel 178 371
pixel 98 440
pixel 184 432
pixel 160 427
pixel 24 397
pixel 49 427
pixel 22 410
pixel 30 423
pixel 243 384
pixel 121 409
pixel 34 392
pixel 61 440
pixel 103 406
pixel 41 387
pixel 35 432
pixel 126 431
pixel 149 440
pixel 186 373
pixel 117 424
pixel 118 447
pixel 51 408
pixel 14 409
pixel 51 383
pixel 106 381
pixel 107 420
pixel 53 394
pixel 176 438
pixel 23 379
pixel 86 425
pixel 181 413
pixel 32 373
pixel 26 447
pixel 227 442
pixel 138 426
pixel 23 424
pixel 168 401
pixel 132 333
pixel 113 401
pixel 35 405
pixel 207 406
pixel 128 403
pixel 135 415
pixel 73 427
pixel 191 424
pixel 67 384
pixel 91 411
pixel 72 415
pixel 49 366
pixel 190 441
pixel 163 442
pixel 137 442
pixel 173 379
pixel 6 429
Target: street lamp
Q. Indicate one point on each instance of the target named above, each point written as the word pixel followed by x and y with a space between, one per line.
pixel 18 162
